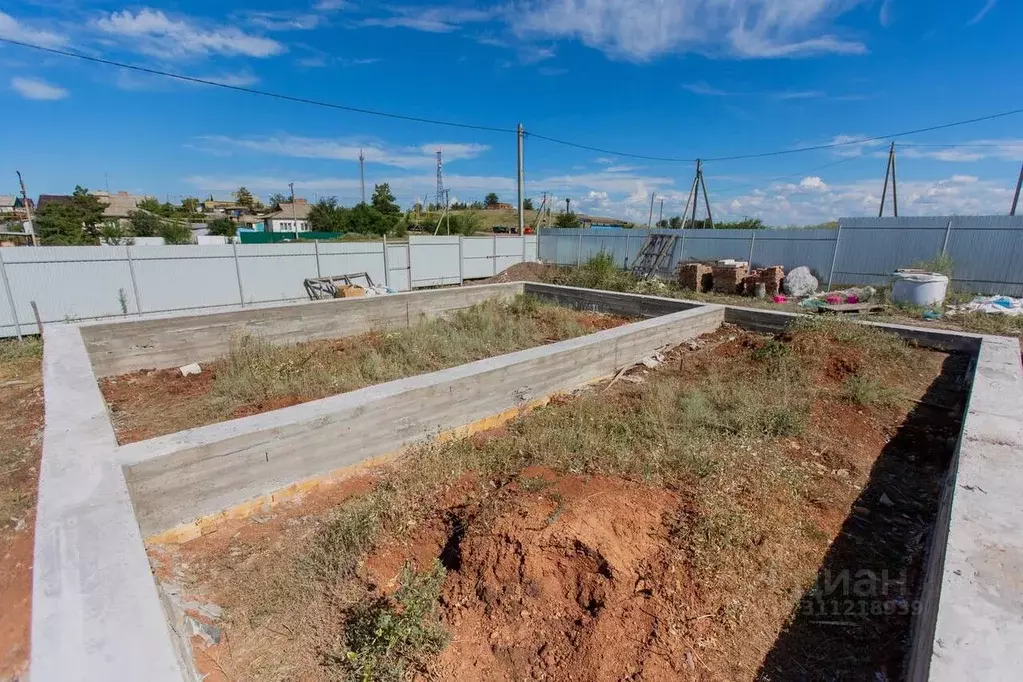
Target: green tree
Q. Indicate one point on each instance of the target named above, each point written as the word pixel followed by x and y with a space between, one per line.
pixel 112 234
pixel 565 219
pixel 60 224
pixel 675 222
pixel 222 227
pixel 366 219
pixel 175 232
pixel 144 224
pixel 153 206
pixel 90 211
pixel 383 200
pixel 744 224
pixel 276 199
pixel 527 204
pixel 190 206
pixel 492 199
pixel 327 216
pixel 244 198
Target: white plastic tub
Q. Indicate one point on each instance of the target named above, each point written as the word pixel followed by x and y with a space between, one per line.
pixel 918 287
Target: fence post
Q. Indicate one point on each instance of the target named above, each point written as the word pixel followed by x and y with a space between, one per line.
pixel 316 250
pixel 522 236
pixel 948 230
pixel 682 247
pixel 408 261
pixel 134 282
pixel 494 244
pixel 579 250
pixel 626 265
pixel 10 297
pixel 834 255
pixel 752 241
pixel 238 272
pixel 461 263
pixel 387 266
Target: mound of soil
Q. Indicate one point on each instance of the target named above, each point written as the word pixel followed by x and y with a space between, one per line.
pixel 564 582
pixel 521 272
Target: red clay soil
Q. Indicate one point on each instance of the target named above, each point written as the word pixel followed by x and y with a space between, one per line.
pixel 567 577
pixel 21 422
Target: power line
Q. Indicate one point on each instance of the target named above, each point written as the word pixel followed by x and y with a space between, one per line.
pixel 254 91
pixel 781 152
pixel 452 124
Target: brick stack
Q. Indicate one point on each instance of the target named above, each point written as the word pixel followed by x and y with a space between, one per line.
pixel 728 278
pixel 749 283
pixel 772 277
pixel 694 276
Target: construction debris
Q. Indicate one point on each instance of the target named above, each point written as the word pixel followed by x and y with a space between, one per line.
pixel 800 282
pixel 728 276
pixel 695 276
pixel 193 368
pixel 993 305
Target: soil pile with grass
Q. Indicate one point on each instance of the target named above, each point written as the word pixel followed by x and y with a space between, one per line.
pixel 676 525
pixel 258 376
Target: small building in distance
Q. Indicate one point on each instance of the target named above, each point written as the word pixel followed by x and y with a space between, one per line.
pixel 290 217
pixel 499 206
pixel 118 205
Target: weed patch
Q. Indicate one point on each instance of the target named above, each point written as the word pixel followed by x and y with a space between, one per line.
pixel 28 347
pixel 869 392
pixel 387 638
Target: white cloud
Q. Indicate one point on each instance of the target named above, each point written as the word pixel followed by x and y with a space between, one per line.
pixel 798 94
pixel 975 150
pixel 988 6
pixel 640 30
pixel 153 32
pixel 702 88
pixel 429 19
pixel 33 88
pixel 13 29
pixel 423 156
pixel 621 169
pixel 813 183
pixel 328 5
pixel 240 79
pixel 884 17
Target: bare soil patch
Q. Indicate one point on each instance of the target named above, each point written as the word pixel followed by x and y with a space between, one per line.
pixel 681 524
pixel 258 376
pixel 21 423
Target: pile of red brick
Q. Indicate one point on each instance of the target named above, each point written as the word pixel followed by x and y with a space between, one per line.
pixel 770 277
pixel 728 279
pixel 694 276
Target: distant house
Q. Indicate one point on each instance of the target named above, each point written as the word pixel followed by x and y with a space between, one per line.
pixel 289 217
pixel 119 205
pixel 46 199
pixel 499 206
pixel 7 205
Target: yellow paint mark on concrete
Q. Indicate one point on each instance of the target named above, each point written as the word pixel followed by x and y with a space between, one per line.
pixel 208 524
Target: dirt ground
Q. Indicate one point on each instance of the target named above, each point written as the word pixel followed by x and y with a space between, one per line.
pixel 21 422
pixel 561 572
pixel 150 403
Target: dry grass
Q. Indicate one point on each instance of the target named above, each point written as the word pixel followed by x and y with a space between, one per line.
pixel 716 429
pixel 257 370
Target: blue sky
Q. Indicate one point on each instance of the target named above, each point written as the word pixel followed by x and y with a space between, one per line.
pixel 680 79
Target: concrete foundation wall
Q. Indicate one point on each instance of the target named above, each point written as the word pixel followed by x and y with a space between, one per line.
pixel 630 305
pixel 215 467
pixel 120 347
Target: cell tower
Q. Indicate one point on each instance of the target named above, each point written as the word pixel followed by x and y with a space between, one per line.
pixel 440 179
pixel 362 176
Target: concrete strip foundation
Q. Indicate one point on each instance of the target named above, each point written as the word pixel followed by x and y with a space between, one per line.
pixel 97 614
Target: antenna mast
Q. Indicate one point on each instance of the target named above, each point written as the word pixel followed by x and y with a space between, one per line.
pixel 362 175
pixel 440 178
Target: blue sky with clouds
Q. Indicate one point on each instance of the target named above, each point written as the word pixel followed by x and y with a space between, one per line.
pixel 670 78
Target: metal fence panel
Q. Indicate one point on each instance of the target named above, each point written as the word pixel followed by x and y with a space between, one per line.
pixel 434 261
pixel 987 254
pixel 508 252
pixel 341 259
pixel 793 248
pixel 178 277
pixel 870 249
pixel 275 272
pixel 397 267
pixel 477 257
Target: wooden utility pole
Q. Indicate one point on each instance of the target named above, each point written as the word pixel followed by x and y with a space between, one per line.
pixel 1015 197
pixel 660 213
pixel 890 173
pixel 694 199
pixel 650 220
pixel 32 227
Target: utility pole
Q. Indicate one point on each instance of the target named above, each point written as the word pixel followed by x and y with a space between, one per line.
pixel 28 210
pixel 694 199
pixel 362 175
pixel 294 211
pixel 440 178
pixel 568 205
pixel 660 213
pixel 889 172
pixel 1015 197
pixel 650 220
pixel 522 217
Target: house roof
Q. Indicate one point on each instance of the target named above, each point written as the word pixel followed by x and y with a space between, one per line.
pixel 45 199
pixel 299 210
pixel 6 201
pixel 118 205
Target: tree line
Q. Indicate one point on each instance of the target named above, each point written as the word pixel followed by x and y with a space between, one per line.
pixel 380 216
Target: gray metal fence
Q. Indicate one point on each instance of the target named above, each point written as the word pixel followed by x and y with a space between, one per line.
pixel 70 283
pixel 987 251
